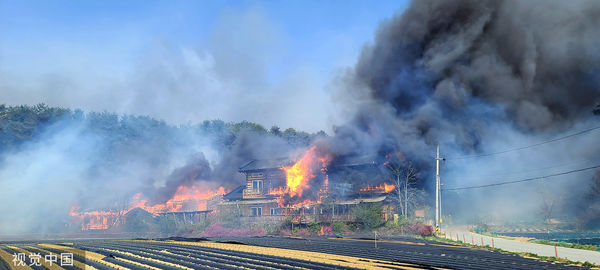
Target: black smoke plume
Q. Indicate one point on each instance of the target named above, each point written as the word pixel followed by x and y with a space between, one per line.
pixel 475 76
pixel 448 67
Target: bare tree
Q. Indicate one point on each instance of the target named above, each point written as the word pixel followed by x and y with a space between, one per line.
pixel 405 177
pixel 396 171
pixel 122 205
pixel 410 193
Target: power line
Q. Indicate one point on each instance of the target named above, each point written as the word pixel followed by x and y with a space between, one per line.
pixel 500 174
pixel 524 180
pixel 525 147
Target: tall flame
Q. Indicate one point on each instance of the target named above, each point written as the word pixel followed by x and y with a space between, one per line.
pixel 299 175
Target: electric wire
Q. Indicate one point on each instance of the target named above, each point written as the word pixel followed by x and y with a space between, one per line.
pixel 523 180
pixel 503 174
pixel 525 147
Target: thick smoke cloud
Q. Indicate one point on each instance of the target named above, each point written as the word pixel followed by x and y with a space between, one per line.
pixel 477 77
pixel 75 163
pixel 472 76
pixel 538 60
pixel 442 71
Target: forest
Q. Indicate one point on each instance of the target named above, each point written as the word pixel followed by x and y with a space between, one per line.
pixel 23 123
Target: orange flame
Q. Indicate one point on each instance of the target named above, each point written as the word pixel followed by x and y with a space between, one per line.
pixel 385 187
pixel 193 198
pixel 388 187
pixel 280 191
pixel 304 203
pixel 94 220
pixel 299 175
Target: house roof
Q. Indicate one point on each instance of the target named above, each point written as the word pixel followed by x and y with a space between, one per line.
pixel 264 164
pixel 350 161
pixel 249 201
pixel 363 200
pixel 235 194
pixel 185 212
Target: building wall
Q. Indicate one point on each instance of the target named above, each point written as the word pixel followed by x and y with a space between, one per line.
pixel 249 209
pixel 271 178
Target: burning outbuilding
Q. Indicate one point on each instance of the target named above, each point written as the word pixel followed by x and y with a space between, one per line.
pixel 189 204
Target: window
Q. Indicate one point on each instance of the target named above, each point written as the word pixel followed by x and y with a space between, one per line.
pixel 257 185
pixel 256 211
pixel 275 211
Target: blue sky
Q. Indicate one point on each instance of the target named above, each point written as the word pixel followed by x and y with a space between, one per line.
pixel 205 58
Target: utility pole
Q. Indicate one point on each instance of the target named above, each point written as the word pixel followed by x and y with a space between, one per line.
pixel 437 190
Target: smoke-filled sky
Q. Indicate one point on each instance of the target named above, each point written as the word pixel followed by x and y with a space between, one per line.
pixel 472 76
pixel 484 76
pixel 185 61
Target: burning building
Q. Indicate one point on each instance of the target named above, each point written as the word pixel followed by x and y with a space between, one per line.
pixel 189 204
pixel 315 186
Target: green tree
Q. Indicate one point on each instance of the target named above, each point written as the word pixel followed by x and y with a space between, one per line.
pixel 275 131
pixel 368 215
pixel 314 227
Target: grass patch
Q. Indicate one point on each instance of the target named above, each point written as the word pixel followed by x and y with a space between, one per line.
pixel 565 244
pixel 554 259
pixel 438 239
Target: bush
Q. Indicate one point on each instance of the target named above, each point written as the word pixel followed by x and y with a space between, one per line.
pixel 392 226
pixel 328 230
pixel 421 229
pixel 338 226
pixel 314 227
pixel 368 215
pixel 402 221
pixel 588 264
pixel 352 227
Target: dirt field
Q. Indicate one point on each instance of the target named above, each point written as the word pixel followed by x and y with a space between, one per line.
pixel 271 253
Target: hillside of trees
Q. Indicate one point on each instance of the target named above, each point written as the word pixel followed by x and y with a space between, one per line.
pixel 22 124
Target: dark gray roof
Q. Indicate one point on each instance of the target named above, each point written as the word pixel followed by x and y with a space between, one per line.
pixel 264 164
pixel 345 161
pixel 235 194
pixel 185 212
pixel 349 161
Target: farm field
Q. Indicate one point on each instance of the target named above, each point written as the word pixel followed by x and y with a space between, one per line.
pixel 268 253
pixel 584 238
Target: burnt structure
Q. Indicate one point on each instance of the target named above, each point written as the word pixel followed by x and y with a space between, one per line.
pixel 344 184
pixel 187 216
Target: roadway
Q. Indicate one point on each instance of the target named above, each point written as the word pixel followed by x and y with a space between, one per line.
pixel 463 235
